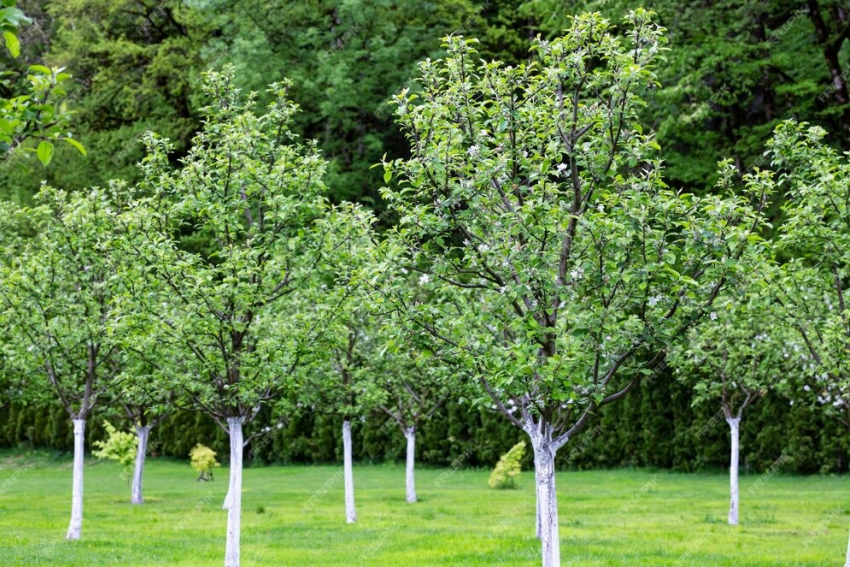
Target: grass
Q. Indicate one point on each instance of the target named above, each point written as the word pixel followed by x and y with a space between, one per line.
pixel 294 516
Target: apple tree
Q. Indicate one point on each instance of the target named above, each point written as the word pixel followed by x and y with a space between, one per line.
pixel 221 245
pixel 534 194
pixel 58 294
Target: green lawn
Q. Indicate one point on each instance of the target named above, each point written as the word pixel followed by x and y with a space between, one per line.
pixel 294 516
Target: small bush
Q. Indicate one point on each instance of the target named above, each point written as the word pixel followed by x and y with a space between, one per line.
pixel 203 461
pixel 119 446
pixel 508 468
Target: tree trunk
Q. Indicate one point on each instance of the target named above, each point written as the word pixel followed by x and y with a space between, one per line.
pixel 547 500
pixel 142 433
pixel 537 511
pixel 350 512
pixel 410 435
pixel 75 528
pixel 233 500
pixel 733 471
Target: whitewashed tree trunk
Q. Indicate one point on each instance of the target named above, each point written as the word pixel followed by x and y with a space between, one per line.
pixel 733 471
pixel 537 509
pixel 348 473
pixel 233 500
pixel 547 499
pixel 75 528
pixel 410 481
pixel 142 433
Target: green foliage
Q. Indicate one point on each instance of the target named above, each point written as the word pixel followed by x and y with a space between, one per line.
pixel 203 461
pixel 414 384
pixel 137 68
pixel 10 20
pixel 508 468
pixel 812 286
pixel 119 446
pixel 59 292
pixel 39 113
pixel 738 70
pixel 346 61
pixel 235 244
pixel 560 263
pixel 344 382
pixel 740 352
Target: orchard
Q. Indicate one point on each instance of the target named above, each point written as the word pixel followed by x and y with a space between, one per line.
pixel 319 248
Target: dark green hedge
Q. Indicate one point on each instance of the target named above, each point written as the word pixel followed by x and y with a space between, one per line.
pixel 654 426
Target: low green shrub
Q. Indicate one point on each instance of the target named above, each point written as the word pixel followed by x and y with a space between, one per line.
pixel 508 468
pixel 119 446
pixel 203 461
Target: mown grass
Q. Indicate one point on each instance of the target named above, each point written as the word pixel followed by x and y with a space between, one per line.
pixel 294 516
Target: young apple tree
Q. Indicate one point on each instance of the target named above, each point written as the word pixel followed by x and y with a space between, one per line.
pixel 532 192
pixel 414 385
pixel 734 358
pixel 343 382
pixel 145 403
pixel 58 293
pixel 235 232
pixel 813 285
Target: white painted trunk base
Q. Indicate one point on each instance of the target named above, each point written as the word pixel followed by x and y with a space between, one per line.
pixel 75 528
pixel 733 471
pixel 142 433
pixel 348 473
pixel 233 500
pixel 547 503
pixel 410 482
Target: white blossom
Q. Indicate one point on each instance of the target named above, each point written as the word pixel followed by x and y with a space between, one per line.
pixel 424 278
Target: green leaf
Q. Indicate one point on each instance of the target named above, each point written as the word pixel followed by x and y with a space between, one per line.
pixel 388 174
pixel 12 43
pixel 77 145
pixel 13 16
pixel 45 153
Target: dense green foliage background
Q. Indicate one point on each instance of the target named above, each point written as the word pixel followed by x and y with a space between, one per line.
pixel 736 68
